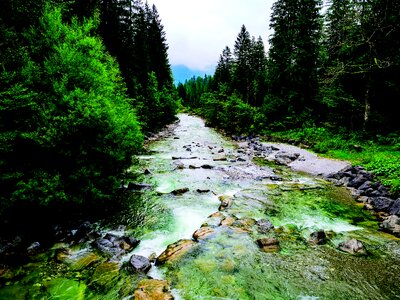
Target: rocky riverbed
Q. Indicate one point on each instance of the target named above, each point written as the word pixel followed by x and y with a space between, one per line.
pixel 220 218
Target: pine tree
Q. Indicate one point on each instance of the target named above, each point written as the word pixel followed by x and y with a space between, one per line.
pixel 223 71
pixel 242 64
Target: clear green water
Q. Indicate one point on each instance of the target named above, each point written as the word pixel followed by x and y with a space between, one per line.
pixel 228 264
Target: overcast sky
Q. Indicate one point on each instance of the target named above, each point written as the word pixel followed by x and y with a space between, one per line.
pixel 198 30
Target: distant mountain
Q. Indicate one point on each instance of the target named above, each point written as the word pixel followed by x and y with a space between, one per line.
pixel 182 73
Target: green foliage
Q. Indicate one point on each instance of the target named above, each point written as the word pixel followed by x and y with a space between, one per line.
pixel 68 127
pixel 387 166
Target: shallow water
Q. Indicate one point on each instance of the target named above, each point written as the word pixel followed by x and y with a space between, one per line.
pixel 229 264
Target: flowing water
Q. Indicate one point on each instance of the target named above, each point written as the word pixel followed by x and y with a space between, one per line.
pixel 227 264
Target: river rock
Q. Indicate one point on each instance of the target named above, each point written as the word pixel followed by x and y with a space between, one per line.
pixel 114 245
pixel 179 192
pixel 392 224
pixel 357 181
pixel 244 223
pixel 381 203
pixel 263 225
pixel 318 238
pixel 395 208
pixel 175 251
pixel 139 264
pixel 221 157
pixel 202 191
pixel 228 221
pixel 202 233
pixel 34 248
pixel 153 289
pixel 268 244
pixel 352 246
pixel 284 158
pixel 207 167
pixel 226 202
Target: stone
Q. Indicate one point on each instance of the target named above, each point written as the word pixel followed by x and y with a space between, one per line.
pixel 226 202
pixel 268 244
pixel 318 238
pixel 395 208
pixel 203 233
pixel 139 264
pixel 221 157
pixel 179 192
pixel 202 191
pixel 357 181
pixel 175 251
pixel 208 167
pixel 244 223
pixel 34 248
pixel 352 246
pixel 365 186
pixel 228 221
pixel 381 203
pixel 264 226
pixel 153 289
pixel 392 224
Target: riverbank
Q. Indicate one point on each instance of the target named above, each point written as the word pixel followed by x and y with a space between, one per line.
pixel 364 186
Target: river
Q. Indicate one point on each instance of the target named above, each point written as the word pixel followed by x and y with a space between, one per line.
pixel 227 263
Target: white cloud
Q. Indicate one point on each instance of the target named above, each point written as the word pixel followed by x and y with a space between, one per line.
pixel 198 31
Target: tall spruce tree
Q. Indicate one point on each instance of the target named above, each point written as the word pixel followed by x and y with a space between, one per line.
pixel 293 56
pixel 223 71
pixel 242 64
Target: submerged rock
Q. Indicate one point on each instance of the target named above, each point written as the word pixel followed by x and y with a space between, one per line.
pixel 352 246
pixel 268 244
pixel 153 289
pixel 139 264
pixel 175 251
pixel 179 192
pixel 318 238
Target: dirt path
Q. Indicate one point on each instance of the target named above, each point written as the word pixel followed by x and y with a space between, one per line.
pixel 307 161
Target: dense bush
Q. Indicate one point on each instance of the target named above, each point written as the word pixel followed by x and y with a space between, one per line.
pixel 67 128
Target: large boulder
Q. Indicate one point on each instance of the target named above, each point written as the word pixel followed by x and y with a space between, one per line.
pixel 153 289
pixel 175 251
pixel 352 246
